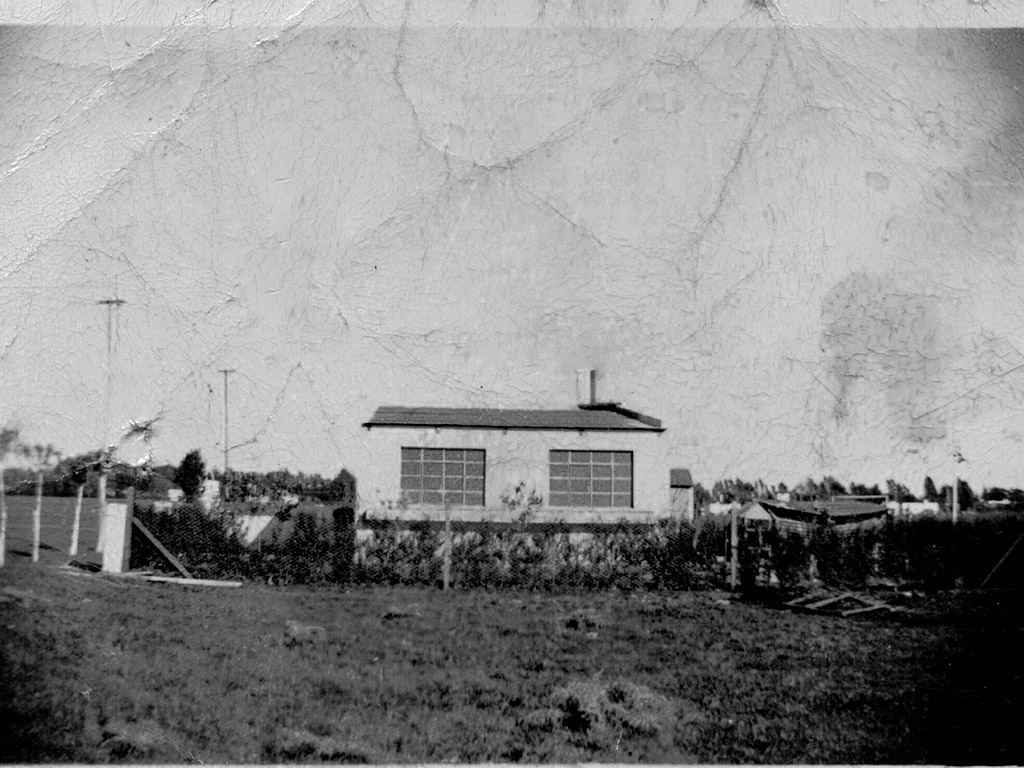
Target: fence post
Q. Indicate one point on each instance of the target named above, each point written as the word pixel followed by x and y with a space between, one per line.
pixel 117 548
pixel 446 570
pixel 37 514
pixel 734 545
pixel 101 506
pixel 3 519
pixel 76 527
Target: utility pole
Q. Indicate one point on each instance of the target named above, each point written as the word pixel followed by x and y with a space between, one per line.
pixel 111 305
pixel 101 491
pixel 959 459
pixel 226 371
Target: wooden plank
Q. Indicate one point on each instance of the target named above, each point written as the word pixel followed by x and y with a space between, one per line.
pixel 1001 561
pixel 869 609
pixel 829 600
pixel 161 549
pixel 191 582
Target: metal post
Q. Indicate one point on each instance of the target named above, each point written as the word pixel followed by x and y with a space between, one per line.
pixel 446 565
pixel 224 490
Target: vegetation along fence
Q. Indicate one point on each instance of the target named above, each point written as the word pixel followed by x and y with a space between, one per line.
pixel 331 546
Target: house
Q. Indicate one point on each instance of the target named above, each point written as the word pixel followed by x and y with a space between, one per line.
pixel 803 516
pixel 596 463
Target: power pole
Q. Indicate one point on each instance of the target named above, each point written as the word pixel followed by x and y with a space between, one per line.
pixel 101 491
pixel 959 459
pixel 226 371
pixel 111 305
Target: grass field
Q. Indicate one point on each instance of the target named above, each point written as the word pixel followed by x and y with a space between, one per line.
pixel 103 669
pixel 56 524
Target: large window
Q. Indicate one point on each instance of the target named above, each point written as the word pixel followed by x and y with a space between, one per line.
pixel 591 479
pixel 443 476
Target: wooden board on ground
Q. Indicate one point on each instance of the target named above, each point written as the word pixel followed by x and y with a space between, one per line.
pixel 191 582
pixel 161 549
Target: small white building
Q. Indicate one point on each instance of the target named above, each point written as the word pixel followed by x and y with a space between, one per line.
pixel 597 463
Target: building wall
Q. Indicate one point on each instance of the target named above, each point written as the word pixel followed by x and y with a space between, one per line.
pixel 512 457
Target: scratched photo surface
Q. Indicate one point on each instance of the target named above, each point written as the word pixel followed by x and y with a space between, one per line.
pixel 486 353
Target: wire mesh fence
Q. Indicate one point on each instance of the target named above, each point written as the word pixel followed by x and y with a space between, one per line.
pixel 331 545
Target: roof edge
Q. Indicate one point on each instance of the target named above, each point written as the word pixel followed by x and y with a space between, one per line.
pixel 410 425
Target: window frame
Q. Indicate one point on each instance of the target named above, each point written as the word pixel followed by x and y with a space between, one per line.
pixel 567 483
pixel 439 475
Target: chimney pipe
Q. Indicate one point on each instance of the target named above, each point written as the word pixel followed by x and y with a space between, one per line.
pixel 586 386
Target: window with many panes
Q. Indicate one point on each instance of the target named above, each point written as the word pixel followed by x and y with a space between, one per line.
pixel 443 476
pixel 591 479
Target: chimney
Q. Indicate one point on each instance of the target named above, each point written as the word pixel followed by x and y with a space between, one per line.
pixel 586 386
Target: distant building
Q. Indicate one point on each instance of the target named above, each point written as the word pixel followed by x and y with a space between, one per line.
pixel 596 463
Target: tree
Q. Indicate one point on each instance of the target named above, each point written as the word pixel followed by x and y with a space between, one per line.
pixel 966 495
pixel 898 492
pixel 831 487
pixel 190 474
pixel 930 492
pixel 995 494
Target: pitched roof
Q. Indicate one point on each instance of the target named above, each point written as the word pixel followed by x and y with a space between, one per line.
pixel 838 511
pixel 608 419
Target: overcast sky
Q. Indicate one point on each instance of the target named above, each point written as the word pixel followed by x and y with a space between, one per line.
pixel 795 235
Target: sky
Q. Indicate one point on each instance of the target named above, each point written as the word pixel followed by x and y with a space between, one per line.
pixel 794 233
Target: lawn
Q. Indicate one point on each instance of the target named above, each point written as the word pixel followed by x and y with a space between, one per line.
pixel 104 669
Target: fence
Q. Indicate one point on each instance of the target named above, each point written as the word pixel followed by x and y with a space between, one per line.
pixel 330 546
pixel 333 547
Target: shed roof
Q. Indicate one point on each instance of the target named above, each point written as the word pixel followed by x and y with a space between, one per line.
pixel 612 418
pixel 838 511
pixel 680 478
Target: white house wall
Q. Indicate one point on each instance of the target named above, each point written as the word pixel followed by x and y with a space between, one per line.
pixel 512 457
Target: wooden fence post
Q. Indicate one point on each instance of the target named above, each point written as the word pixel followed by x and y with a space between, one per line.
pixel 37 514
pixel 734 542
pixel 76 527
pixel 101 505
pixel 3 519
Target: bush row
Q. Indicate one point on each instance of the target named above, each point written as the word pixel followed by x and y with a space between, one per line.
pixel 311 548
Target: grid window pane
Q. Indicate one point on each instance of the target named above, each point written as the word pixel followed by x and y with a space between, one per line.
pixel 443 475
pixel 595 479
